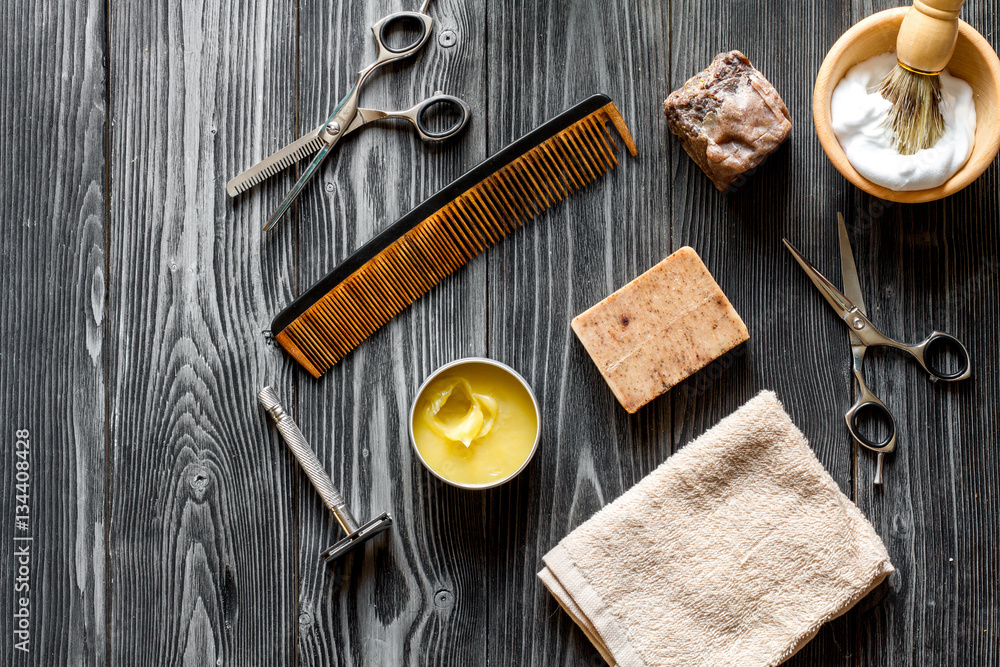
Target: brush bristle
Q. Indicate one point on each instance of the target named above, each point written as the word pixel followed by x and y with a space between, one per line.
pixel 440 244
pixel 914 120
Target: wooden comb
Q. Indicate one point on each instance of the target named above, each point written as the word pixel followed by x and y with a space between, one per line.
pixel 437 237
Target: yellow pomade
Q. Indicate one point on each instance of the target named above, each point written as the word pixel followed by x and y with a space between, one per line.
pixel 475 424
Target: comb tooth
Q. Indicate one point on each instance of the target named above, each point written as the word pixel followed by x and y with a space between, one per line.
pixel 360 291
pixel 321 316
pixel 438 268
pixel 318 338
pixel 558 170
pixel 537 182
pixel 510 201
pixel 476 223
pixel 399 287
pixel 493 226
pixel 485 220
pixel 466 222
pixel 338 325
pixel 339 321
pixel 484 217
pixel 417 265
pixel 442 239
pixel 515 195
pixel 507 216
pixel 311 337
pixel 426 239
pixel 292 332
pixel 606 132
pixel 559 149
pixel 554 175
pixel 370 284
pixel 611 114
pixel 526 189
pixel 294 335
pixel 525 186
pixel 405 267
pixel 457 233
pixel 583 134
pixel 502 214
pixel 363 290
pixel 588 145
pixel 594 132
pixel 577 151
pixel 386 284
pixel 542 182
pixel 457 227
pixel 534 168
pixel 357 318
pixel 597 163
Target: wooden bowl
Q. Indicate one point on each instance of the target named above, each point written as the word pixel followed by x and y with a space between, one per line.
pixel 975 61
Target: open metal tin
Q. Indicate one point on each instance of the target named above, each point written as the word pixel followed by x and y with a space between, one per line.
pixel 506 369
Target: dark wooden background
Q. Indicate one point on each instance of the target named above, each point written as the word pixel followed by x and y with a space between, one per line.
pixel 171 526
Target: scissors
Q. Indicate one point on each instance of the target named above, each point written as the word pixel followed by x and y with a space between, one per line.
pixel 942 355
pixel 348 117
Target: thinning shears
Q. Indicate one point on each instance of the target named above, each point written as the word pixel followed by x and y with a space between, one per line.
pixel 942 355
pixel 348 117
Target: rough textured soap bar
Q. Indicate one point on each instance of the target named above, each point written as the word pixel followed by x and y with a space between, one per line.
pixel 728 118
pixel 659 329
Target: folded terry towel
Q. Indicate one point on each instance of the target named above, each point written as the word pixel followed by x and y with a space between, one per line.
pixel 733 552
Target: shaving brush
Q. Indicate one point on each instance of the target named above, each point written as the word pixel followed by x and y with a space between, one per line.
pixel 924 45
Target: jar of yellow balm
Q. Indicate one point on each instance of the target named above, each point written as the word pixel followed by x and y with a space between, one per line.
pixel 475 423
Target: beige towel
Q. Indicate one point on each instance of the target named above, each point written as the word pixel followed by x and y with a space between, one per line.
pixel 733 552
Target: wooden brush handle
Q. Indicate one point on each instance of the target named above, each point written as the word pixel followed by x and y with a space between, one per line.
pixel 927 37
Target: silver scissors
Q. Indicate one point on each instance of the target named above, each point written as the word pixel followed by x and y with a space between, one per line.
pixel 942 355
pixel 348 117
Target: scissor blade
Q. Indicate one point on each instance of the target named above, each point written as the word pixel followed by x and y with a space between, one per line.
pixel 277 161
pixel 852 290
pixel 309 172
pixel 852 285
pixel 840 303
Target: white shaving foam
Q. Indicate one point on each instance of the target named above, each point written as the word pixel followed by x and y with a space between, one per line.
pixel 856 115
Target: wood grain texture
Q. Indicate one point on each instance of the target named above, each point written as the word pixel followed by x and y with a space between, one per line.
pixel 202 537
pixel 52 195
pixel 738 234
pixel 171 524
pixel 417 595
pixel 557 266
pixel 936 266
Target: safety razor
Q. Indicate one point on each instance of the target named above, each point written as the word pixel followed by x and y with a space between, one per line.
pixel 356 535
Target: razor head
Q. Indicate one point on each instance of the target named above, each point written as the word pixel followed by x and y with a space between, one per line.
pixel 377 525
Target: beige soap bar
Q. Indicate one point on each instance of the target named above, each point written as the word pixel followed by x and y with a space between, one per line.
pixel 659 329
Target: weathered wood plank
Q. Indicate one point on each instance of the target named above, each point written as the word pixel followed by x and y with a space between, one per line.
pixel 738 233
pixel 52 198
pixel 793 349
pixel 202 545
pixel 209 529
pixel 417 594
pixel 935 525
pixel 935 266
pixel 558 265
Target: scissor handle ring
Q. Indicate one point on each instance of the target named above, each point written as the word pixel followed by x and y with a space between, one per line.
pixel 457 106
pixel 869 405
pixel 942 342
pixel 382 29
